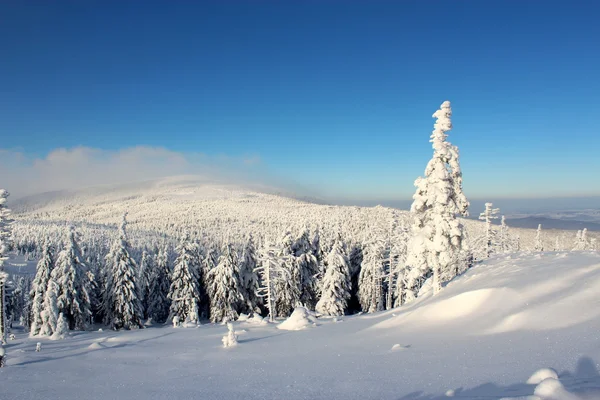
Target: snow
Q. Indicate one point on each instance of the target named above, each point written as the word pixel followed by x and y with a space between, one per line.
pixel 301 318
pixel 466 356
pixel 542 374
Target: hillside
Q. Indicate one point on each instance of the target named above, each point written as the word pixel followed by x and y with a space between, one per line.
pixel 480 338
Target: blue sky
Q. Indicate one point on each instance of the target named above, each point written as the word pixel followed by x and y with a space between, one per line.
pixel 335 96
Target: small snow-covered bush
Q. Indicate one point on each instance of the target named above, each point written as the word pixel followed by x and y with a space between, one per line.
pixel 301 318
pixel 230 339
pixel 38 347
pixel 541 374
pixel 62 328
pixel 176 321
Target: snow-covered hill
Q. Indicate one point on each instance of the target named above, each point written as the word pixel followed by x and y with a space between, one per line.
pixel 482 337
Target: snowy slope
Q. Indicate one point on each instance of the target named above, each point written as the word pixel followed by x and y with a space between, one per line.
pixel 481 337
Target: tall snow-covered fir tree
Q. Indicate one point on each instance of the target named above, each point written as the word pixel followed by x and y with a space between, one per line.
pixel 488 215
pixel 249 279
pixel 439 198
pixel 538 245
pixel 581 241
pixel 123 306
pixel 145 270
pixel 336 285
pixel 50 312
pixel 69 274
pixel 271 270
pixel 308 267
pixel 184 291
pixel 39 286
pixel 160 282
pixel 5 237
pixel 370 290
pixel 287 290
pixel 225 291
pixel 504 241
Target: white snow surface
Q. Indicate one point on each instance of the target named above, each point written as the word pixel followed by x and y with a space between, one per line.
pixel 301 318
pixel 481 337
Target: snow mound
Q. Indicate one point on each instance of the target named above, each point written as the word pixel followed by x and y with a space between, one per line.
pixel 542 374
pixel 398 347
pixel 552 389
pixel 301 318
pixel 95 346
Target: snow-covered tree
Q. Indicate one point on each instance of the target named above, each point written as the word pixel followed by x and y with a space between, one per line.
pixel 143 279
pixel 160 282
pixel 287 290
pixel 538 245
pixel 123 306
pixel 50 312
pixel 581 240
pixel 39 286
pixel 308 267
pixel 230 338
pixel 249 279
pixel 62 328
pixel 370 291
pixel 504 238
pixel 437 233
pixel 225 290
pixel 69 274
pixel 488 215
pixel 184 291
pixel 336 284
pixel 5 237
pixel 270 270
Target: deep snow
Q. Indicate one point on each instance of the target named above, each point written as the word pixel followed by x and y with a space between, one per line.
pixel 482 337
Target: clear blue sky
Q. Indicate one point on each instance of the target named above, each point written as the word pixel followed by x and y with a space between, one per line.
pixel 336 94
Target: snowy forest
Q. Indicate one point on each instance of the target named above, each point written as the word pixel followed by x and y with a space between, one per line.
pixel 176 252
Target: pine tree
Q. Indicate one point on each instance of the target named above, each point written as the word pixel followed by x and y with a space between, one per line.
pixel 184 291
pixel 370 292
pixel 160 282
pixel 39 286
pixel 50 312
pixel 336 282
pixel 249 279
pixel 69 274
pixel 270 270
pixel 225 290
pixel 504 239
pixel 488 215
pixel 124 309
pixel 62 328
pixel 581 241
pixel 308 267
pixel 287 290
pixel 538 246
pixel 145 270
pixel 5 237
pixel 437 233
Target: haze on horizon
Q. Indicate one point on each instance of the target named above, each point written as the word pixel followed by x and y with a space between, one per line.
pixel 317 98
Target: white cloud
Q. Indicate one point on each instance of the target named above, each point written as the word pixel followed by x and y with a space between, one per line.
pixel 23 174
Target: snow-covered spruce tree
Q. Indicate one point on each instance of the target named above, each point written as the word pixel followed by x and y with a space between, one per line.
pixel 39 286
pixel 144 272
pixel 160 282
pixel 123 306
pixel 5 237
pixel 581 241
pixel 504 241
pixel 62 328
pixel 184 291
pixel 287 290
pixel 370 291
pixel 538 244
pixel 490 237
pixel 336 285
pixel 225 291
pixel 50 312
pixel 355 259
pixel 270 270
pixel 436 233
pixel 308 267
pixel 69 273
pixel 249 279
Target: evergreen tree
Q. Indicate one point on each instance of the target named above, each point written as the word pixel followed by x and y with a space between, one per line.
pixel 437 233
pixel 39 286
pixel 336 282
pixel 158 300
pixel 184 291
pixel 287 290
pixel 249 279
pixel 225 291
pixel 370 292
pixel 270 270
pixel 124 309
pixel 308 267
pixel 144 276
pixel 5 237
pixel 504 239
pixel 488 215
pixel 538 245
pixel 50 312
pixel 69 274
pixel 581 241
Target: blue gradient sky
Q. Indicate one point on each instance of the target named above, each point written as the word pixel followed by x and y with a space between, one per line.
pixel 334 95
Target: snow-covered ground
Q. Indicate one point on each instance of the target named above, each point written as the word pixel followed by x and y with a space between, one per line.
pixel 482 337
